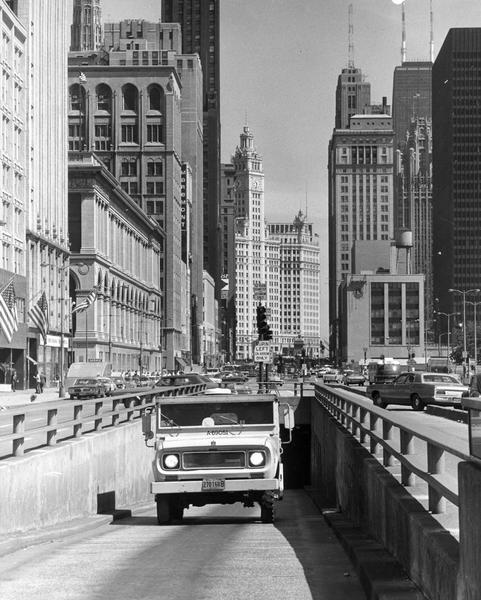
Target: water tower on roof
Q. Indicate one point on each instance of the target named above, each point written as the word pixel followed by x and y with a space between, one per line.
pixel 404 243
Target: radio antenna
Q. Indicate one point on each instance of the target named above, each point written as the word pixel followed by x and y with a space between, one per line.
pixel 350 52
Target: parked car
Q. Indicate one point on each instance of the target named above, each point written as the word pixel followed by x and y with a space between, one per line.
pixel 275 379
pixel 353 378
pixel 87 387
pixel 120 383
pixel 234 377
pixel 109 384
pixel 418 389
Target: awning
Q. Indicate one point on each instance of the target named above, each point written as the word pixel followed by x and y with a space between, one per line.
pixel 181 362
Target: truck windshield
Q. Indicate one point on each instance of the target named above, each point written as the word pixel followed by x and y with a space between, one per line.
pixel 213 414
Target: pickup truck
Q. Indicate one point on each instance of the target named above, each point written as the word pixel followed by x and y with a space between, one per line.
pixel 217 451
pixel 418 389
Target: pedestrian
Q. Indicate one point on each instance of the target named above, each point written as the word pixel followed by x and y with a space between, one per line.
pixel 42 382
pixel 14 380
pixel 37 382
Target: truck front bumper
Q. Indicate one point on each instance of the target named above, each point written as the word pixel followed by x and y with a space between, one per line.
pixel 231 485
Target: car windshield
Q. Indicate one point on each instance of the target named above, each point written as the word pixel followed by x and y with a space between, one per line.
pixel 84 381
pixel 211 414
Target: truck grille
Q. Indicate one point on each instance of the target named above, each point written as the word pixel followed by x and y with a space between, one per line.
pixel 214 460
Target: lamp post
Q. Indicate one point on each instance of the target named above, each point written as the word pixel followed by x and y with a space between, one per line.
pixel 448 315
pixel 464 292
pixel 475 333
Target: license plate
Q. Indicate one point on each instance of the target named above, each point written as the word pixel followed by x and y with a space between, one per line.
pixel 210 485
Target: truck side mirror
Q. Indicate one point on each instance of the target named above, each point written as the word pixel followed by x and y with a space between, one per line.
pixel 147 426
pixel 288 416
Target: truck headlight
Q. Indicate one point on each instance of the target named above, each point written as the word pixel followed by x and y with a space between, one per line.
pixel 170 461
pixel 257 458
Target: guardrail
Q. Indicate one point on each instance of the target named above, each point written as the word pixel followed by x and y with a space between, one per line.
pixel 376 430
pixel 115 409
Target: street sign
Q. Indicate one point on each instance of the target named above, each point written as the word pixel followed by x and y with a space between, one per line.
pixel 263 353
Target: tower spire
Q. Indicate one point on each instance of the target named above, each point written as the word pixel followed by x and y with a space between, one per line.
pixel 431 37
pixel 350 52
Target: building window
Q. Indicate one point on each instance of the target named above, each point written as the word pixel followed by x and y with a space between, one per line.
pixel 129 98
pixel 129 134
pixel 154 133
pixel 154 168
pixel 104 98
pixel 129 168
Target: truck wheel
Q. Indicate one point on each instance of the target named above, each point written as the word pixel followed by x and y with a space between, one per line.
pixel 417 403
pixel 163 509
pixel 376 398
pixel 267 508
pixel 176 509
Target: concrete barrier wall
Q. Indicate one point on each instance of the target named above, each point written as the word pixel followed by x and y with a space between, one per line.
pixel 346 476
pixel 72 479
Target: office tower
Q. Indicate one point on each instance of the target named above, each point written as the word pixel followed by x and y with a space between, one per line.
pixel 200 23
pixel 257 257
pixel 86 29
pixel 360 197
pixel 411 97
pixel 227 259
pixel 353 94
pixel 126 104
pixel 457 168
pixel 299 274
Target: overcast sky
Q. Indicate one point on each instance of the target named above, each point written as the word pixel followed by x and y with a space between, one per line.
pixel 279 65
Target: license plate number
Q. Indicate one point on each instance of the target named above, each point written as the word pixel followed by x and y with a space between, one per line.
pixel 209 485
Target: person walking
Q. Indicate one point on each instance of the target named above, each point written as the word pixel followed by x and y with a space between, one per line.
pixel 42 382
pixel 14 380
pixel 37 382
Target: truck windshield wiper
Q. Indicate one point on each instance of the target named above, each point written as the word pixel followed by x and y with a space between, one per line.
pixel 229 420
pixel 170 422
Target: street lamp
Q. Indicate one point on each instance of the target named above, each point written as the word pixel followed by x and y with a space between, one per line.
pixel 475 333
pixel 464 292
pixel 448 315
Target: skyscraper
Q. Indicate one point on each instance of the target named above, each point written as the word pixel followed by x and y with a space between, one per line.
pixel 353 94
pixel 86 29
pixel 200 23
pixel 457 166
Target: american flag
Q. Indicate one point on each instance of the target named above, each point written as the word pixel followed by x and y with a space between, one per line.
pixel 39 315
pixel 8 311
pixel 86 302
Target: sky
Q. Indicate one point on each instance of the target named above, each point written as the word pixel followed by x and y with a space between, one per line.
pixel 280 60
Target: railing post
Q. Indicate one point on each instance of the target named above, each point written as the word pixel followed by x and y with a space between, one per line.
pixel 354 418
pixel 98 416
pixel 362 421
pixel 407 447
pixel 52 420
pixel 342 404
pixel 116 416
pixel 436 463
pixel 372 427
pixel 19 428
pixel 387 459
pixel 77 428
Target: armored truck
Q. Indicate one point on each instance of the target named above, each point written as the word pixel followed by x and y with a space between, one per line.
pixel 217 450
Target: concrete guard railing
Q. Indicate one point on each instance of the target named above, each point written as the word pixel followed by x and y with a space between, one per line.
pixel 375 430
pixel 107 412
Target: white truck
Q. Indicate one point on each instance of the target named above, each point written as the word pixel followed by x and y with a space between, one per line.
pixel 217 451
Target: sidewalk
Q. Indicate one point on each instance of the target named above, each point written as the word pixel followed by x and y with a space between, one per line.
pixel 21 397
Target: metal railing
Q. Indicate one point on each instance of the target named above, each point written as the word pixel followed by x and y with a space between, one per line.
pixel 104 412
pixel 418 454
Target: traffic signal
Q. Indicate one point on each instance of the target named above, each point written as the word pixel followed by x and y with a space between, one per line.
pixel 263 328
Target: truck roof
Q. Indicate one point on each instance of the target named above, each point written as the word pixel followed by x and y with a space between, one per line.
pixel 214 398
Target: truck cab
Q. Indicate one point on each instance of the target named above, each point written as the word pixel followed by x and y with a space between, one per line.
pixel 217 451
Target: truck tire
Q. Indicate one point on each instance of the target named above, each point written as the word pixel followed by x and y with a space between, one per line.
pixel 163 509
pixel 378 401
pixel 176 509
pixel 267 508
pixel 417 403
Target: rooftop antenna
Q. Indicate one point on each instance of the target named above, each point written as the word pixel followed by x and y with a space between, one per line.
pixel 306 195
pixel 350 52
pixel 403 43
pixel 431 38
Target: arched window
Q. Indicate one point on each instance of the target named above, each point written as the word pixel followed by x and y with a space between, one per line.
pixel 156 98
pixel 77 98
pixel 130 98
pixel 104 98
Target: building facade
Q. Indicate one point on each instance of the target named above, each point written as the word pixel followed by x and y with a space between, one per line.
pixel 457 168
pixel 86 29
pixel 360 198
pixel 353 94
pixel 200 24
pixel 257 257
pixel 299 275
pixel 116 249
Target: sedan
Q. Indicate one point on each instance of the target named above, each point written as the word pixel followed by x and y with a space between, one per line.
pixel 109 384
pixel 234 378
pixel 419 389
pixel 353 378
pixel 87 387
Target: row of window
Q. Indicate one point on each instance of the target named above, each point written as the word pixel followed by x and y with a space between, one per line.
pixel 130 96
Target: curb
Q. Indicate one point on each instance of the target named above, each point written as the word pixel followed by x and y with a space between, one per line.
pixel 382 576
